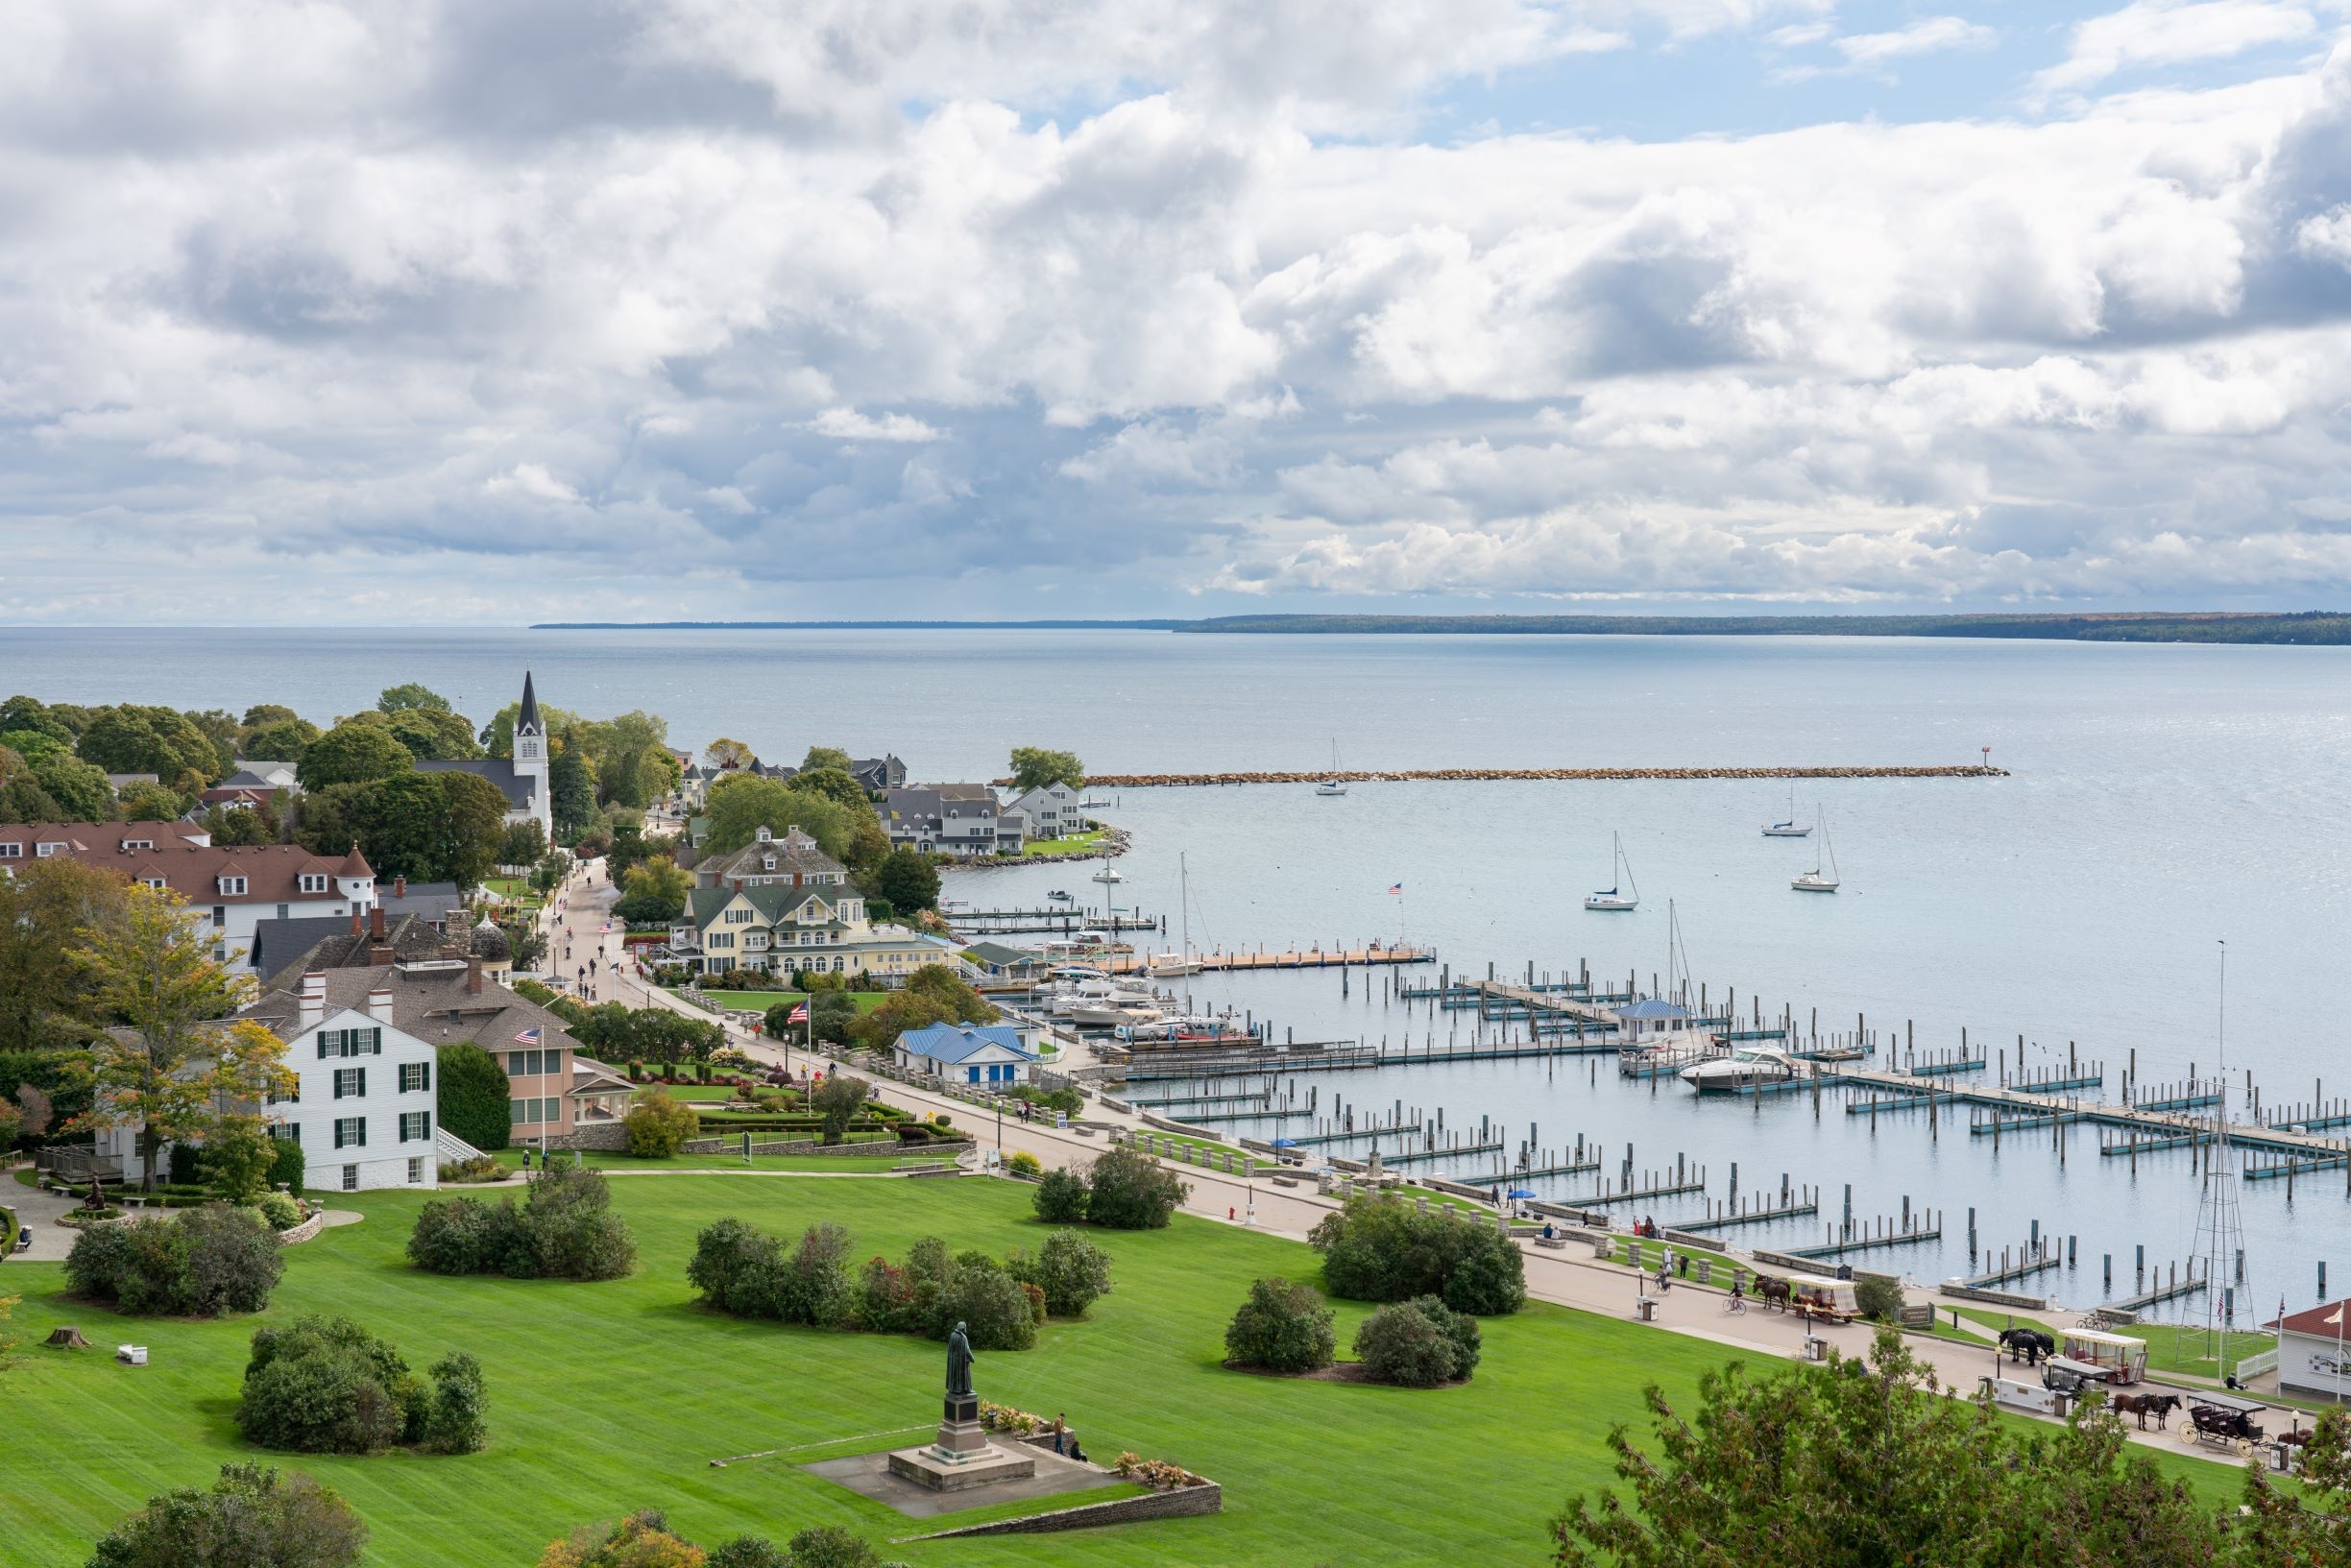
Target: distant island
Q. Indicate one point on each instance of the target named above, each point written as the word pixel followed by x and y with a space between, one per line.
pixel 2316 627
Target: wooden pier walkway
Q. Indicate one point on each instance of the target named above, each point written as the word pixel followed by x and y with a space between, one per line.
pixel 1466 775
pixel 1219 961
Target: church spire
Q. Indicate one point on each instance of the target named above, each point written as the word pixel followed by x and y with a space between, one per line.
pixel 528 718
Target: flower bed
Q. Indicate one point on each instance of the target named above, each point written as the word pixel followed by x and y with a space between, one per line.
pixel 1157 1474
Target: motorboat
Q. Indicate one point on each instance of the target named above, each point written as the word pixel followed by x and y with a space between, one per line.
pixel 1334 785
pixel 1613 897
pixel 1112 1014
pixel 1791 828
pixel 1171 963
pixel 1060 896
pixel 1746 1067
pixel 1183 1029
pixel 1817 881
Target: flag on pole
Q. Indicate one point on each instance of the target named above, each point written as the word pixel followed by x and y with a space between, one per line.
pixel 799 1014
pixel 1396 888
pixel 528 1037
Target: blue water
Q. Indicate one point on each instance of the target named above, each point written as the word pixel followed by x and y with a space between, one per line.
pixel 2162 799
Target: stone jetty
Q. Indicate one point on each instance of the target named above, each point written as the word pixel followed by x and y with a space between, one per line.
pixel 1465 774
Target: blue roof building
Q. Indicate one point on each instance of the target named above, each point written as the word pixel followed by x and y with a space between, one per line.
pixel 967 1052
pixel 1651 1018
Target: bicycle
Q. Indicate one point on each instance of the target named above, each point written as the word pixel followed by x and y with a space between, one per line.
pixel 1735 1306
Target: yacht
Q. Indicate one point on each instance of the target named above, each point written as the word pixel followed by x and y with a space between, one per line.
pixel 1614 896
pixel 1171 963
pixel 1791 828
pixel 1746 1067
pixel 1183 1029
pixel 1817 881
pixel 1334 785
pixel 1113 1013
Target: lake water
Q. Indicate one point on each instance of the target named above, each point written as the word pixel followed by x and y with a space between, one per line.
pixel 2164 799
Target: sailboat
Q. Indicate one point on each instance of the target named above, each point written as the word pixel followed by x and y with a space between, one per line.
pixel 1791 828
pixel 1334 785
pixel 1179 963
pixel 1614 898
pixel 1815 881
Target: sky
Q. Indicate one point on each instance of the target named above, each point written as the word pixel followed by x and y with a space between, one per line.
pixel 439 311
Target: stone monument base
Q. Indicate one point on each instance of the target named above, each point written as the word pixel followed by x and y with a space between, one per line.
pixel 962 1456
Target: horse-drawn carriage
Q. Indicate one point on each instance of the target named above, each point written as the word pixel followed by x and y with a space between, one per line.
pixel 2222 1421
pixel 2122 1358
pixel 1831 1299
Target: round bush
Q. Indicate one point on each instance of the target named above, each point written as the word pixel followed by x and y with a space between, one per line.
pixel 1061 1198
pixel 278 1211
pixel 1071 1271
pixel 659 1125
pixel 206 1262
pixel 1380 1248
pixel 325 1386
pixel 993 1307
pixel 1416 1344
pixel 1282 1327
pixel 1878 1297
pixel 1129 1190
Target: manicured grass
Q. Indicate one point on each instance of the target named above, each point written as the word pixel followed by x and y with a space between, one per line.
pixel 759 1002
pixel 607 1397
pixel 1056 849
pixel 863 1165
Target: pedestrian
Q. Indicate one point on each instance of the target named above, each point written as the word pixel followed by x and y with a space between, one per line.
pixel 1060 1432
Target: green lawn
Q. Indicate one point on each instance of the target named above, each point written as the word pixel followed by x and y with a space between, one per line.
pixel 759 1002
pixel 847 1164
pixel 607 1397
pixel 1059 849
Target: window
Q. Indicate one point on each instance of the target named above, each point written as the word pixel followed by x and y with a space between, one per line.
pixel 416 1170
pixel 155 882
pixel 12 852
pixel 351 1178
pixel 350 1132
pixel 233 887
pixel 350 1083
pixel 284 909
pixel 138 843
pixel 292 1096
pixel 415 1077
pixel 220 914
pixel 533 1111
pixel 524 1064
pixel 42 851
pixel 415 1125
pixel 367 1042
pixel 285 1132
pixel 313 882
pixel 739 917
pixel 720 939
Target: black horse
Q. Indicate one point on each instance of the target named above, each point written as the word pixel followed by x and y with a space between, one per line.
pixel 2028 1345
pixel 2143 1406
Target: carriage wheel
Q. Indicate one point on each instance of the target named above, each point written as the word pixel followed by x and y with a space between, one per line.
pixel 2188 1434
pixel 2244 1448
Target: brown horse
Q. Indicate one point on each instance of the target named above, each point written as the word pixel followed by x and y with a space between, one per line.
pixel 1772 1290
pixel 2143 1406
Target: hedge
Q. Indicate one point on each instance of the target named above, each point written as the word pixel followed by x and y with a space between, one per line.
pixel 473 1096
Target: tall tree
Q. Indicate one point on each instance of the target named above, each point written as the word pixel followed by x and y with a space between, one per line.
pixel 728 754
pixel 571 789
pixel 833 784
pixel 409 696
pixel 280 740
pixel 818 757
pixel 80 789
pixel 740 803
pixel 168 1060
pixel 1034 767
pixel 353 752
pixel 431 734
pixel 908 880
pixel 44 907
pixel 268 712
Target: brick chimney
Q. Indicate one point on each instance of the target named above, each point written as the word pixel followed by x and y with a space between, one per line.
pixel 400 885
pixel 357 920
pixel 378 914
pixel 313 999
pixel 379 1006
pixel 473 981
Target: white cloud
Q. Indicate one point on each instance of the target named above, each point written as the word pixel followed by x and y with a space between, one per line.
pixel 1927 37
pixel 531 479
pixel 2326 236
pixel 848 425
pixel 2171 33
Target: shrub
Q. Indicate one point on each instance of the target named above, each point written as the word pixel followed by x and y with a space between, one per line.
pixel 453 1424
pixel 837 1101
pixel 278 1211
pixel 993 1307
pixel 564 1230
pixel 248 1516
pixel 1878 1297
pixel 659 1125
pixel 480 1167
pixel 327 1386
pixel 210 1259
pixel 886 1301
pixel 1025 1164
pixel 1060 1198
pixel 1282 1327
pixel 811 1286
pixel 473 1095
pixel 1379 1249
pixel 729 1260
pixel 748 1552
pixel 1072 1273
pixel 824 1546
pixel 1417 1344
pixel 1129 1190
pixel 285 1165
pixel 641 1540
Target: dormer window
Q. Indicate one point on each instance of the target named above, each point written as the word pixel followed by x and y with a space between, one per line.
pixel 155 882
pixel 767 863
pixel 232 886
pixel 314 882
pixel 138 843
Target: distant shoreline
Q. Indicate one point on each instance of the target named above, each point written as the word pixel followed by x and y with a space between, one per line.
pixel 2312 628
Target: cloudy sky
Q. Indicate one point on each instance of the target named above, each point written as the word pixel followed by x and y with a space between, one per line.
pixel 448 310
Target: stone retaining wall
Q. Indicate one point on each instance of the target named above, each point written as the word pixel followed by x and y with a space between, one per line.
pixel 1995 1298
pixel 607 1137
pixel 303 1232
pixel 1181 1503
pixel 734 1146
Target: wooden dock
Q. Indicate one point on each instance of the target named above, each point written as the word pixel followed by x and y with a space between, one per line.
pixel 1219 961
pixel 1512 775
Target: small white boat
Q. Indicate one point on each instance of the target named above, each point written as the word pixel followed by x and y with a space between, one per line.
pixel 1745 1068
pixel 1332 786
pixel 1816 881
pixel 1614 898
pixel 1791 828
pixel 1172 963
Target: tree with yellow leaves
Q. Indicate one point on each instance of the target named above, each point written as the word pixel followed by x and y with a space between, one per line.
pixel 167 1060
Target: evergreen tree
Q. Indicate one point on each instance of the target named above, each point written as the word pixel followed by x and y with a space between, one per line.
pixel 571 790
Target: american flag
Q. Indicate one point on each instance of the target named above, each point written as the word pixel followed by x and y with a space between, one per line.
pixel 528 1037
pixel 1397 888
pixel 798 1014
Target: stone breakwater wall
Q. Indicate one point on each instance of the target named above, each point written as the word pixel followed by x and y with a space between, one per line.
pixel 1465 774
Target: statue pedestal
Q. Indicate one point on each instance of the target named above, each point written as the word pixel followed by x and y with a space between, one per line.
pixel 962 1456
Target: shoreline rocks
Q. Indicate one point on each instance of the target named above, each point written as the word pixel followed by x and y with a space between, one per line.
pixel 1468 775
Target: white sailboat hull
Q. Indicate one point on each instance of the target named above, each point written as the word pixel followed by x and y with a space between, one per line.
pixel 1610 901
pixel 1330 789
pixel 1786 830
pixel 1814 884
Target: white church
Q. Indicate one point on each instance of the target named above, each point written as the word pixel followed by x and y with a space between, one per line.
pixel 523 778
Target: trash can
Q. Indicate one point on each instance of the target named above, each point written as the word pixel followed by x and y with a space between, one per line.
pixel 1815 1348
pixel 1645 1309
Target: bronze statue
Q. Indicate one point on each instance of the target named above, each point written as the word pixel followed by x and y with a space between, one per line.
pixel 96 1202
pixel 959 1364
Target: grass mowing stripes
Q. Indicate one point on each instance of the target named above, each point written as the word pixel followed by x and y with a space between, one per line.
pixel 608 1397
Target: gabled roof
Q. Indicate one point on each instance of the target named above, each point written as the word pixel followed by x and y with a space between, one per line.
pixel 958 1041
pixel 517 787
pixel 2319 1319
pixel 774 902
pixel 1654 1007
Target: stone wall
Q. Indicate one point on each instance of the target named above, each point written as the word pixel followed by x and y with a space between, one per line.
pixel 1181 1503
pixel 610 1137
pixel 734 1146
pixel 299 1234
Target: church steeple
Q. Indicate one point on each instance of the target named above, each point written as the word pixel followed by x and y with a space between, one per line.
pixel 530 746
pixel 527 721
